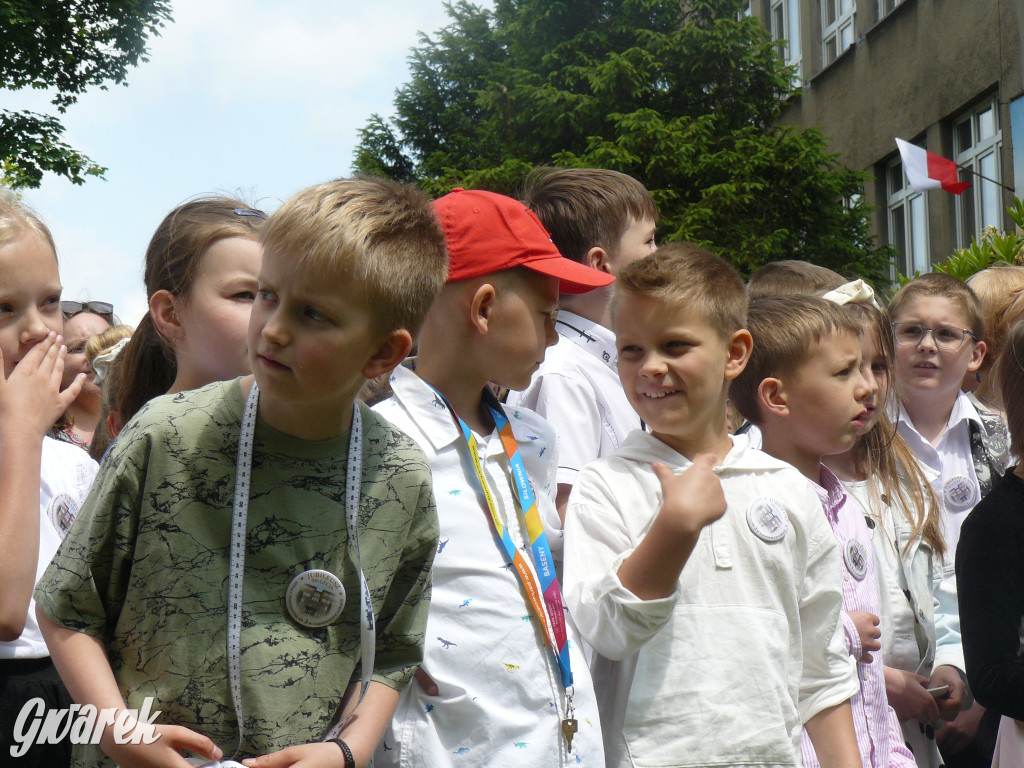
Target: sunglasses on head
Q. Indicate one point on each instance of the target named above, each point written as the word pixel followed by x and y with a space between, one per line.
pixel 72 308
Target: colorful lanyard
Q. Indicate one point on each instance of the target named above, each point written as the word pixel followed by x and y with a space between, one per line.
pixel 236 567
pixel 548 594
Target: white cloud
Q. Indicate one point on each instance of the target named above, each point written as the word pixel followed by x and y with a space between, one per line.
pixel 252 94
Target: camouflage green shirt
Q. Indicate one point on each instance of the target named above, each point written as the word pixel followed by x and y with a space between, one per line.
pixel 145 568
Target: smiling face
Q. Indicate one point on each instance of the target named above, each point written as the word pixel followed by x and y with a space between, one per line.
pixel 675 368
pixel 923 370
pixel 29 296
pixel 828 397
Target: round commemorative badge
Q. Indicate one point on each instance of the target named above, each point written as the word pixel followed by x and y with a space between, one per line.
pixel 315 598
pixel 958 493
pixel 856 556
pixel 767 518
pixel 61 511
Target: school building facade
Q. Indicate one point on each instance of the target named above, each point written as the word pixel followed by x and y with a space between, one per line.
pixel 947 75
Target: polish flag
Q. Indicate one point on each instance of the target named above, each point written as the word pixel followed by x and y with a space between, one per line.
pixel 926 170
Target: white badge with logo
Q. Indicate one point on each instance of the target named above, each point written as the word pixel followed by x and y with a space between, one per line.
pixel 315 598
pixel 767 518
pixel 856 556
pixel 958 492
pixel 62 511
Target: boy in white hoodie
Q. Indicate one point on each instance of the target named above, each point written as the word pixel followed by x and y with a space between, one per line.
pixel 724 660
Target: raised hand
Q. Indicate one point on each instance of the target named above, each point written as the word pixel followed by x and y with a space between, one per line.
pixel 31 399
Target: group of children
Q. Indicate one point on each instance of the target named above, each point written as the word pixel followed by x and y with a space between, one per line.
pixel 595 571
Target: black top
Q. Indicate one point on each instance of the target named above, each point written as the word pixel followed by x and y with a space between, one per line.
pixel 990 588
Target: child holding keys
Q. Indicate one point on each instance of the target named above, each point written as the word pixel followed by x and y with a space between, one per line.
pixel 503 680
pixel 223 564
pixel 723 660
pixel 42 481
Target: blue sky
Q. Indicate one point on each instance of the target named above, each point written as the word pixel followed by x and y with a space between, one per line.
pixel 250 96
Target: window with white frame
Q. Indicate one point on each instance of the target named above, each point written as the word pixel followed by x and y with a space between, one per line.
pixel 885 7
pixel 784 25
pixel 837 27
pixel 977 143
pixel 907 213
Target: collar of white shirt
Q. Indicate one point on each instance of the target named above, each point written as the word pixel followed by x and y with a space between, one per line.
pixel 588 335
pixel 430 412
pixel 963 410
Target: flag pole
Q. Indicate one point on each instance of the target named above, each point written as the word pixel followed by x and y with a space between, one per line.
pixel 986 178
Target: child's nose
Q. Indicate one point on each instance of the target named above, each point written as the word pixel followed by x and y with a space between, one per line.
pixel 867 387
pixel 33 329
pixel 550 335
pixel 275 329
pixel 927 340
pixel 652 365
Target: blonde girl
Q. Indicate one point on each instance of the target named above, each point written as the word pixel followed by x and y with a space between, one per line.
pixel 42 481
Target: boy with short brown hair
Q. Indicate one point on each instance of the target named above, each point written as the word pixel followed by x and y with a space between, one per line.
pixel 719 662
pixel 606 220
pixel 806 390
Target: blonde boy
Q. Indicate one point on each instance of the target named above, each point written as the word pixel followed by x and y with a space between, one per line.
pixel 491 691
pixel 938 324
pixel 723 660
pixel 136 604
pixel 605 220
pixel 805 388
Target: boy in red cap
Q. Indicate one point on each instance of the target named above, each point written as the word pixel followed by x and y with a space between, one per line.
pixel 503 681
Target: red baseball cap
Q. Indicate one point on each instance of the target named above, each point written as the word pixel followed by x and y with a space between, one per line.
pixel 486 232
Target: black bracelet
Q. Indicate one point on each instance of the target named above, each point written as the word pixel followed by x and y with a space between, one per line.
pixel 350 762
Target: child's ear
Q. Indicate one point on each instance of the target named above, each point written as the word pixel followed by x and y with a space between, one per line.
pixel 163 308
pixel 481 306
pixel 773 398
pixel 978 356
pixel 393 349
pixel 738 352
pixel 597 258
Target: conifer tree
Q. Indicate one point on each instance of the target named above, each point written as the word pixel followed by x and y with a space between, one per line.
pixel 685 96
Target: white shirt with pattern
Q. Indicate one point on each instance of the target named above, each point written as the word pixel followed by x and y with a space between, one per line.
pixel 500 700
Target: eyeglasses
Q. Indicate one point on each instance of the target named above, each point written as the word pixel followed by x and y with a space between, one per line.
pixel 945 337
pixel 72 308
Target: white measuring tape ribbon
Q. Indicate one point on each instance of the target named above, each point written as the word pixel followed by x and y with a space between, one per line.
pixel 236 568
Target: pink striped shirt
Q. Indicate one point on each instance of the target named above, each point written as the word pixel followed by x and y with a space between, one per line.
pixel 879 736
